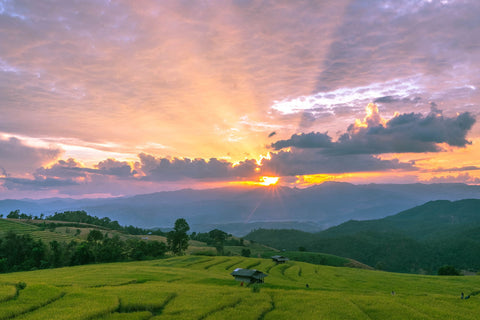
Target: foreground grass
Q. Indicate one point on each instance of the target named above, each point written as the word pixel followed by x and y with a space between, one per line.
pixel 201 287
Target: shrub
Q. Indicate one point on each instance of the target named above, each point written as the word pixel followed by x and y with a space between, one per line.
pixel 448 271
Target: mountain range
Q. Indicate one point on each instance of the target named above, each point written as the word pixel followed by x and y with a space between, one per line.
pixel 238 210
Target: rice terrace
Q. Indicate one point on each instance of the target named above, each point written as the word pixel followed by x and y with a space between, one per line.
pixel 201 287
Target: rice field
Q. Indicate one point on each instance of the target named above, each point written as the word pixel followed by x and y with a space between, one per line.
pixel 201 287
pixel 34 231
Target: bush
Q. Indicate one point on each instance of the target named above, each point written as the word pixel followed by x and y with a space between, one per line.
pixel 256 288
pixel 448 271
pixel 21 285
pixel 246 252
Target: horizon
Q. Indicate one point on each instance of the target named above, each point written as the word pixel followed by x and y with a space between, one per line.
pixel 243 187
pixel 103 99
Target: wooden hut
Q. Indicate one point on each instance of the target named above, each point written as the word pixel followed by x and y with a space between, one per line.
pixel 248 275
pixel 279 259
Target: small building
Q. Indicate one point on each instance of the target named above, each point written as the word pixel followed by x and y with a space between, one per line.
pixel 279 259
pixel 248 275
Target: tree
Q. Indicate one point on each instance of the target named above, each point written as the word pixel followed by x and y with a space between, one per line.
pixel 14 214
pixel 177 239
pixel 246 252
pixel 95 235
pixel 218 237
pixel 448 271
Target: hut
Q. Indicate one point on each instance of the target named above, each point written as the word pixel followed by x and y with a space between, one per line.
pixel 248 275
pixel 279 259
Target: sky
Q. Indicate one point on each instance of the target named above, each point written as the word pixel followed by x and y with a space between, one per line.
pixel 116 98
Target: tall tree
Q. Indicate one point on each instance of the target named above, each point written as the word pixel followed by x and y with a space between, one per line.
pixel 218 237
pixel 177 239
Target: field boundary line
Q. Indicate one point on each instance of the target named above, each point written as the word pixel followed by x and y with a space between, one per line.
pixel 35 307
pixel 360 308
pixel 228 305
pixel 216 263
pixel 231 265
pixel 272 307
pixel 197 262
pixel 267 270
pixel 253 265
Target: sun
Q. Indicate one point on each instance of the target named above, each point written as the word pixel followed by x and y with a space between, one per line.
pixel 268 181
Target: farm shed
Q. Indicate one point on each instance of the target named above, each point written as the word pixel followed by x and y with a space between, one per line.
pixel 248 275
pixel 279 259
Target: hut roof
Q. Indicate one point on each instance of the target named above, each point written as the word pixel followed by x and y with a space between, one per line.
pixel 252 273
pixel 280 258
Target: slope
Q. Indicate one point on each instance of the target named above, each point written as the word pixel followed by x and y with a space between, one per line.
pixel 191 287
pixel 420 239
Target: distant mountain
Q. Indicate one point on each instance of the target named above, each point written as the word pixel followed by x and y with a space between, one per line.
pixel 239 210
pixel 420 239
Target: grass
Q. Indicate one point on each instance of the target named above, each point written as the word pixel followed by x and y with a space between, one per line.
pixel 36 232
pixel 31 298
pixel 201 287
pixel 7 292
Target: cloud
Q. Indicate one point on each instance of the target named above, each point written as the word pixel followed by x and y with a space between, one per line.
pixel 460 178
pixel 409 132
pixel 271 134
pixel 70 177
pixel 396 38
pixel 163 169
pixel 465 168
pixel 123 69
pixel 72 169
pixel 11 183
pixel 310 161
pixel 115 168
pixel 305 141
pixel 17 157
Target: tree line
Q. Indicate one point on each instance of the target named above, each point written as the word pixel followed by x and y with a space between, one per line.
pixel 22 252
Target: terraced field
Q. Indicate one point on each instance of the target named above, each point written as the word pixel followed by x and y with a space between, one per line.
pixel 199 287
pixel 34 231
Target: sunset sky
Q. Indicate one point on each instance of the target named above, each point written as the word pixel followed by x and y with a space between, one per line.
pixel 111 98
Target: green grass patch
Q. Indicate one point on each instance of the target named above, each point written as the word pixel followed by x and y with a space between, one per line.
pixel 7 292
pixel 76 305
pixel 31 298
pixel 197 287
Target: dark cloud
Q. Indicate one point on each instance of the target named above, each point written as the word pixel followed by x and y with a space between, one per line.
pixel 459 169
pixel 307 120
pixel 304 141
pixel 71 169
pixel 17 157
pixel 163 169
pixel 309 161
pixel 461 178
pixel 409 132
pixel 272 134
pixel 386 99
pixel 38 183
pixel 72 178
pixel 115 168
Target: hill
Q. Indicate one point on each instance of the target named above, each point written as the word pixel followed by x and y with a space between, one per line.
pixel 194 287
pixel 239 210
pixel 66 232
pixel 420 239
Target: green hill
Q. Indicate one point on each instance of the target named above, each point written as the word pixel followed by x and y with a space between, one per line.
pixel 199 287
pixel 421 239
pixel 35 231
